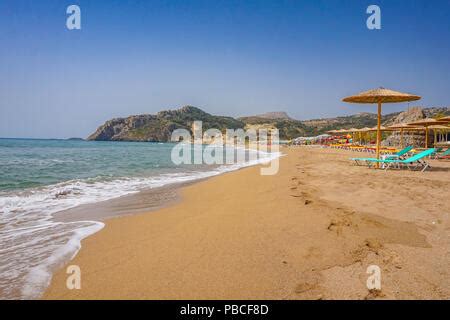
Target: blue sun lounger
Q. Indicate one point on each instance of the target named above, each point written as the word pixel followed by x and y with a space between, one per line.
pixel 397 156
pixel 411 163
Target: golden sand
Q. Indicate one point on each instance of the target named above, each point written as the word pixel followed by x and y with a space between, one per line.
pixel 309 232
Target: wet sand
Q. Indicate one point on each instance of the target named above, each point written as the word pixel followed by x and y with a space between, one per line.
pixel 309 232
pixel 143 201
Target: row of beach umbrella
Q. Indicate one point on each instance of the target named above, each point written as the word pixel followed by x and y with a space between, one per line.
pixel 435 124
pixel 420 125
pixel 380 96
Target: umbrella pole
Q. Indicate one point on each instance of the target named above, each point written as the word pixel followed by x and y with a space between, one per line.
pixel 426 137
pixel 401 138
pixel 435 137
pixel 378 133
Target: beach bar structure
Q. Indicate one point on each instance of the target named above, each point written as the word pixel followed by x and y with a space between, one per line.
pixel 380 96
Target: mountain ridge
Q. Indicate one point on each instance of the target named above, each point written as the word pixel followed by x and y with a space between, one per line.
pixel 273 115
pixel 158 127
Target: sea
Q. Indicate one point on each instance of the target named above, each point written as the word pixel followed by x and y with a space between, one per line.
pixel 40 179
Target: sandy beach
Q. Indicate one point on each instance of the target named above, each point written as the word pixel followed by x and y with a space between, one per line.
pixel 309 232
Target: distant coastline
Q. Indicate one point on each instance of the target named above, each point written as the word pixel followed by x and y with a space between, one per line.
pixel 158 127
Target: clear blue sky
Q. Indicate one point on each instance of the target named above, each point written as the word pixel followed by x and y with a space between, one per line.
pixel 231 57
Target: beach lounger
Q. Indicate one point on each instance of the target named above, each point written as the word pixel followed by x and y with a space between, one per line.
pixel 411 163
pixel 397 156
pixel 444 155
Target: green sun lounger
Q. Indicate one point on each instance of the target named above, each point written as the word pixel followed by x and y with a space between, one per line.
pixel 445 154
pixel 391 156
pixel 416 161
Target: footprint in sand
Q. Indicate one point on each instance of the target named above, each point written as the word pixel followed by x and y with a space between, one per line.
pixel 309 287
pixel 338 224
pixel 374 294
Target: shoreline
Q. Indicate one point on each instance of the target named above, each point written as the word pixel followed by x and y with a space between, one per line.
pixel 124 206
pixel 144 201
pixel 57 233
pixel 147 200
pixel 228 239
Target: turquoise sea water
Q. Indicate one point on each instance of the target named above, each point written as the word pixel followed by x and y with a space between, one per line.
pixel 37 163
pixel 39 178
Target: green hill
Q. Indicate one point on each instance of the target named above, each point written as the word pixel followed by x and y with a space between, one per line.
pixel 159 127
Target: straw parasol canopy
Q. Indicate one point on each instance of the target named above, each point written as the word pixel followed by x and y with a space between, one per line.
pixel 379 96
pixel 427 122
pixel 360 131
pixel 337 131
pixel 382 128
pixel 403 126
pixel 439 127
pixel 447 119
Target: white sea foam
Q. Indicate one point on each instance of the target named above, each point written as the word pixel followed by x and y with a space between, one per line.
pixel 33 245
pixel 39 276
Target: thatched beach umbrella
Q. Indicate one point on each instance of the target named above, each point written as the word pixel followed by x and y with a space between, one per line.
pixel 439 127
pixel 447 119
pixel 379 96
pixel 426 123
pixel 350 131
pixel 381 128
pixel 358 131
pixel 403 127
pixel 376 129
pixel 361 131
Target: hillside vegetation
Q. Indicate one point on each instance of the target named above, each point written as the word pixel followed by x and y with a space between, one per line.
pixel 159 127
